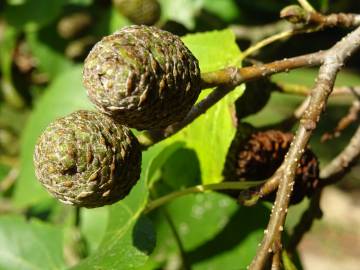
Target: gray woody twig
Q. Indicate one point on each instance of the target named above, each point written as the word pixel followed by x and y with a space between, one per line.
pixel 340 165
pixel 333 61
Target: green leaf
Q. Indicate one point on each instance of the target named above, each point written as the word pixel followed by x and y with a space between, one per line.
pixel 80 2
pixel 210 135
pixel 7 47
pixel 181 11
pixel 182 169
pixel 225 9
pixel 4 170
pixel 324 5
pixel 30 245
pixel 33 13
pixel 15 2
pixel 117 21
pixel 93 226
pixel 216 233
pixel 47 47
pixel 65 95
pixel 129 237
pixel 159 160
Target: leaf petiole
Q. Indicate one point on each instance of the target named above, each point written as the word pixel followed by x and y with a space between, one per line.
pixel 200 189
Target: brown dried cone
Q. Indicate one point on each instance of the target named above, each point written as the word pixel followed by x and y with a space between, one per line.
pixel 257 155
pixel 139 11
pixel 143 77
pixel 86 159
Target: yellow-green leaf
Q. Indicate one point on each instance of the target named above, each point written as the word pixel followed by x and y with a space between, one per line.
pixel 210 134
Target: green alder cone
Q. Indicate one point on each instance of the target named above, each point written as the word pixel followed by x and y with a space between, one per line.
pixel 143 77
pixel 86 159
pixel 139 11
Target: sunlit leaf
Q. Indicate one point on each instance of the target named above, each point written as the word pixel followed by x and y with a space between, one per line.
pixel 225 9
pixel 30 245
pixel 181 11
pixel 210 134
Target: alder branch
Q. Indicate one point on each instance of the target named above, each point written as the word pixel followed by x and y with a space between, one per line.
pixel 234 76
pixel 231 77
pixel 333 61
pixel 225 80
pixel 330 174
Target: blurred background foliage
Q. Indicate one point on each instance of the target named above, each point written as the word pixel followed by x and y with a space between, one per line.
pixel 42 46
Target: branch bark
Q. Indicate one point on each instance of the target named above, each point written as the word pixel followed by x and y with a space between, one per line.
pixel 333 61
pixel 233 76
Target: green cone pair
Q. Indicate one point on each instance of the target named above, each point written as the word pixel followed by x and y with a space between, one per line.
pixel 139 77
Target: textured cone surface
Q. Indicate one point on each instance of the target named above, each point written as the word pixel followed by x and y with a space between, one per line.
pixel 139 11
pixel 143 77
pixel 259 155
pixel 86 159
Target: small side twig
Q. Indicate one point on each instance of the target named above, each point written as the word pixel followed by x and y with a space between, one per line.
pixel 302 90
pixel 342 163
pixel 310 18
pixel 257 33
pixel 199 189
pixel 266 188
pixel 344 122
pixel 271 39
